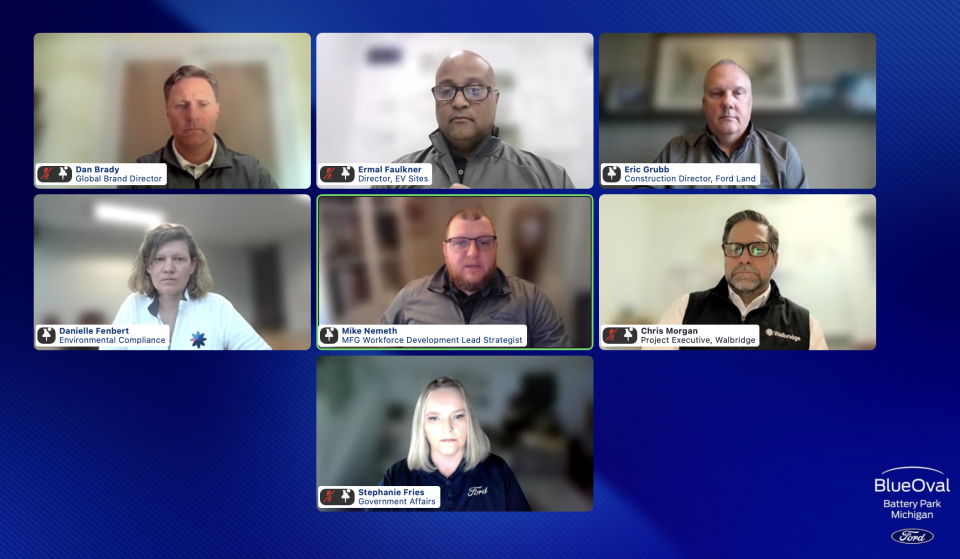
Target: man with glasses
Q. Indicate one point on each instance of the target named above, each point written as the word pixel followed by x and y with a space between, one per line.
pixel 730 137
pixel 746 294
pixel 470 289
pixel 466 151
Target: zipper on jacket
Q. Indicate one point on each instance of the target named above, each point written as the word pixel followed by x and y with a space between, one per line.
pixel 743 317
pixel 456 304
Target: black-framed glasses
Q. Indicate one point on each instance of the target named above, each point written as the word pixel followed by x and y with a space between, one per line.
pixel 470 92
pixel 462 244
pixel 758 250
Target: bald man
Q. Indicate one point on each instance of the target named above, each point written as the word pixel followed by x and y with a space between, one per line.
pixel 466 151
pixel 730 136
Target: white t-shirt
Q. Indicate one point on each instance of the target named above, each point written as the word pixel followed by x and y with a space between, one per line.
pixel 210 322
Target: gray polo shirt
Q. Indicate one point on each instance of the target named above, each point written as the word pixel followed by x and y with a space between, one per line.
pixel 511 300
pixel 495 164
pixel 780 165
pixel 229 169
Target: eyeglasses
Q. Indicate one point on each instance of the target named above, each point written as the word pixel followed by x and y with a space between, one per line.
pixel 733 250
pixel 470 92
pixel 462 244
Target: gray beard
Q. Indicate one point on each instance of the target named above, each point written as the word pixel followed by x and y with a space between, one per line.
pixel 746 286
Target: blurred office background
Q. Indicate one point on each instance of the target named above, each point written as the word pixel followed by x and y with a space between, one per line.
pixel 98 98
pixel 374 102
pixel 818 90
pixel 654 249
pixel 371 247
pixel 537 412
pixel 257 246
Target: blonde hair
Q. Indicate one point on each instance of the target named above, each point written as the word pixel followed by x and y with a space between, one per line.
pixel 140 282
pixel 478 444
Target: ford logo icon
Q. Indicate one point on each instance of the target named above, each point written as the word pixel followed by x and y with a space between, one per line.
pixel 912 536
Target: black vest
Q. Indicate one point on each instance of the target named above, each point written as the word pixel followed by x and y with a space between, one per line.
pixel 783 323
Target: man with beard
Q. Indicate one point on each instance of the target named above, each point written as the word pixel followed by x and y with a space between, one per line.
pixel 470 289
pixel 466 151
pixel 195 155
pixel 746 294
pixel 730 137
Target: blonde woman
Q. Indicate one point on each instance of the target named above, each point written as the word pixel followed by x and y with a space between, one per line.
pixel 449 450
pixel 171 285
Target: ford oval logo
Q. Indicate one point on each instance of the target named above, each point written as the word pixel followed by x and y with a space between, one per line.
pixel 912 536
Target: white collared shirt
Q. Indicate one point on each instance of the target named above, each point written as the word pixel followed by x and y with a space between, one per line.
pixel 195 170
pixel 736 300
pixel 676 311
pixel 207 323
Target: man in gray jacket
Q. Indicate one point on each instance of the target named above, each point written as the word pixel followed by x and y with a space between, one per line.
pixel 466 151
pixel 195 156
pixel 730 136
pixel 470 289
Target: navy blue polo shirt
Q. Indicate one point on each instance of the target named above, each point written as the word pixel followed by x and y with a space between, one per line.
pixel 491 486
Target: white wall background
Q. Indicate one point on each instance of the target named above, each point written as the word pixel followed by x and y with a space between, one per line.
pixel 369 113
pixel 655 248
pixel 79 77
pixel 81 265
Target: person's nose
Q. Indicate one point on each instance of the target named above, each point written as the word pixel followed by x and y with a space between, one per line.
pixel 727 101
pixel 460 100
pixel 472 249
pixel 193 112
pixel 448 425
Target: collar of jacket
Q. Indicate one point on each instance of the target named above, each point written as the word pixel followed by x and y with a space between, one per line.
pixel 749 137
pixel 222 159
pixel 440 280
pixel 489 146
pixel 722 290
pixel 154 306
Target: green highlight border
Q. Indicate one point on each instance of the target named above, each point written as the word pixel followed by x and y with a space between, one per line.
pixel 593 267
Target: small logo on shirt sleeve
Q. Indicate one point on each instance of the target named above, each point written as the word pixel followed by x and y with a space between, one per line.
pixel 198 340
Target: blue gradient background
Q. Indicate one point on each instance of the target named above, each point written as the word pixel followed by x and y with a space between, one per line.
pixel 697 454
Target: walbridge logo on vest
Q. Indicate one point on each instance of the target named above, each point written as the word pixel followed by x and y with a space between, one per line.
pixel 914 494
pixel 772 332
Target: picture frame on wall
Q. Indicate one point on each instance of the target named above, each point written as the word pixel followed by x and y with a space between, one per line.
pixel 682 61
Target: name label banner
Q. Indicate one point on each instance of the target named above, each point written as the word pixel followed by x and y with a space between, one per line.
pixel 100 174
pixel 82 335
pixel 422 335
pixel 368 175
pixel 639 335
pixel 659 175
pixel 374 497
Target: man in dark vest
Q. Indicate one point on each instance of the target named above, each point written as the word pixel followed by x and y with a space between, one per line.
pixel 746 294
